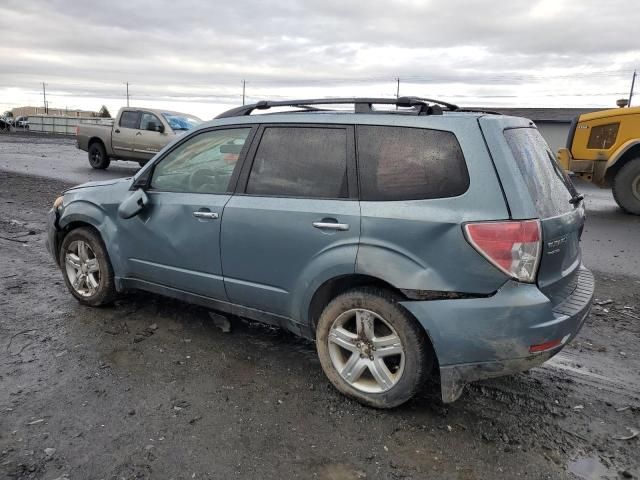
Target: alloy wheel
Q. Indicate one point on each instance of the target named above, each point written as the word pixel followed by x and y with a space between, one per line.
pixel 366 351
pixel 82 268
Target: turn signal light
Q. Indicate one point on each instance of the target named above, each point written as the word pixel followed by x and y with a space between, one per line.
pixel 511 246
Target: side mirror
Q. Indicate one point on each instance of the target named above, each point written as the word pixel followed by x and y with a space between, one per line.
pixel 160 128
pixel 131 206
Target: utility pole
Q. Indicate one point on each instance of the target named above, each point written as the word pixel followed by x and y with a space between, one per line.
pixel 633 82
pixel 127 93
pixel 244 84
pixel 44 98
pixel 397 90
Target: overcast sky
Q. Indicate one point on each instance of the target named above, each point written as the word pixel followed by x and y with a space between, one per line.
pixel 193 55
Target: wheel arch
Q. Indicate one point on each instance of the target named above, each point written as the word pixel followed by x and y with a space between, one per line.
pixel 626 153
pixel 335 286
pixel 94 140
pixel 85 214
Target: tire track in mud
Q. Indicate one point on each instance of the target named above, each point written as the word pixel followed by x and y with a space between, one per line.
pixel 582 369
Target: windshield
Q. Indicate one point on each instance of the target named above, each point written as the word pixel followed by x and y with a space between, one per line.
pixel 179 121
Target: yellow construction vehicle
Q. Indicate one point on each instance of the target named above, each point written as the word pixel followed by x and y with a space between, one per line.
pixel 604 148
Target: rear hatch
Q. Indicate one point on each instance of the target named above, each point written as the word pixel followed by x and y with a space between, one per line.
pixel 547 194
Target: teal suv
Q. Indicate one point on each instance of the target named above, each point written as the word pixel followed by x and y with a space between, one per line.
pixel 406 236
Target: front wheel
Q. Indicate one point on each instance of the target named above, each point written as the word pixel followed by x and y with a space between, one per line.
pixel 371 349
pixel 626 187
pixel 98 158
pixel 86 267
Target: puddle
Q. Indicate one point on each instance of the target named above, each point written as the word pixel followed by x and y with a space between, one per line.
pixel 590 468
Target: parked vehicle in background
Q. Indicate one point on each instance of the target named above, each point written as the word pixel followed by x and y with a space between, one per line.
pixel 22 122
pixel 400 240
pixel 604 148
pixel 136 134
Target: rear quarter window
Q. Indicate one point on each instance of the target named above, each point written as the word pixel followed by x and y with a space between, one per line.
pixel 550 188
pixel 401 163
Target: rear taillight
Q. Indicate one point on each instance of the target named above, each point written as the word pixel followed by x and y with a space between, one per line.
pixel 77 130
pixel 513 246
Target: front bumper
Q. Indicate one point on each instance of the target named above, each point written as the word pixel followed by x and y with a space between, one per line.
pixel 488 337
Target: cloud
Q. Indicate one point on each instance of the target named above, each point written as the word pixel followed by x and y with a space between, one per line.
pixel 202 49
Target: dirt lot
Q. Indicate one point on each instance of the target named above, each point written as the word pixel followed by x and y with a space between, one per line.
pixel 150 388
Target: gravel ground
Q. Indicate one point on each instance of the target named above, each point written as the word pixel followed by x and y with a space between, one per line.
pixel 150 388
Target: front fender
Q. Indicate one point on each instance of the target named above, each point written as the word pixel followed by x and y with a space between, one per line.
pixel 617 155
pixel 82 211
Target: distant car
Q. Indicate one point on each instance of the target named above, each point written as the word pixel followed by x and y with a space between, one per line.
pixel 22 122
pixel 400 241
pixel 136 134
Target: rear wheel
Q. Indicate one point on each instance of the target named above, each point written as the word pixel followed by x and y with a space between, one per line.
pixel 98 156
pixel 86 267
pixel 371 349
pixel 626 187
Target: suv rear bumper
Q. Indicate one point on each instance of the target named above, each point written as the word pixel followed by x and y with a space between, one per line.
pixel 489 337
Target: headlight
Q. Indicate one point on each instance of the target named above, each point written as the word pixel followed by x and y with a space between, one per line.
pixel 58 203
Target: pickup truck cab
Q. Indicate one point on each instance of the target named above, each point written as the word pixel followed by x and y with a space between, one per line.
pixel 136 134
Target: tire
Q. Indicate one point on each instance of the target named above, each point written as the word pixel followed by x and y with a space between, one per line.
pixel 98 157
pixel 626 186
pixel 405 373
pixel 97 287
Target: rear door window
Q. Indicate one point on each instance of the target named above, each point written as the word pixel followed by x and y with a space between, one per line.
pixel 130 119
pixel 400 163
pixel 550 188
pixel 306 162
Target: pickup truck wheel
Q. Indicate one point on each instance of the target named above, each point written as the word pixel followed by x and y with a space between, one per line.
pixel 86 267
pixel 98 156
pixel 626 187
pixel 371 349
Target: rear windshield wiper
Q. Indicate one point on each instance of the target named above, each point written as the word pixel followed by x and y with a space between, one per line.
pixel 576 199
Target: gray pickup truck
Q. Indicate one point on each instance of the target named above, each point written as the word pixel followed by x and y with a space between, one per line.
pixel 136 134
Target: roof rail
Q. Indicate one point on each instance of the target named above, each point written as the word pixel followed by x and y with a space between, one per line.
pixel 424 106
pixel 479 110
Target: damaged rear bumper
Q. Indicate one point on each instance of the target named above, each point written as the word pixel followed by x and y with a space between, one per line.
pixel 453 378
pixel 489 337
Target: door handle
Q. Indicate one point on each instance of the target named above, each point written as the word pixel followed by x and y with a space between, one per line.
pixel 209 215
pixel 331 225
pixel 138 133
pixel 117 130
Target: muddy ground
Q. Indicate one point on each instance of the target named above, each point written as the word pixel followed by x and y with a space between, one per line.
pixel 150 388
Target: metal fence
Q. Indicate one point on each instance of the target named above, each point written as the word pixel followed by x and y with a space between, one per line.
pixel 62 125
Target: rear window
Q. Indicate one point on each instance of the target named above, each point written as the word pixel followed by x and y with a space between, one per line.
pixel 400 163
pixel 550 187
pixel 603 137
pixel 129 120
